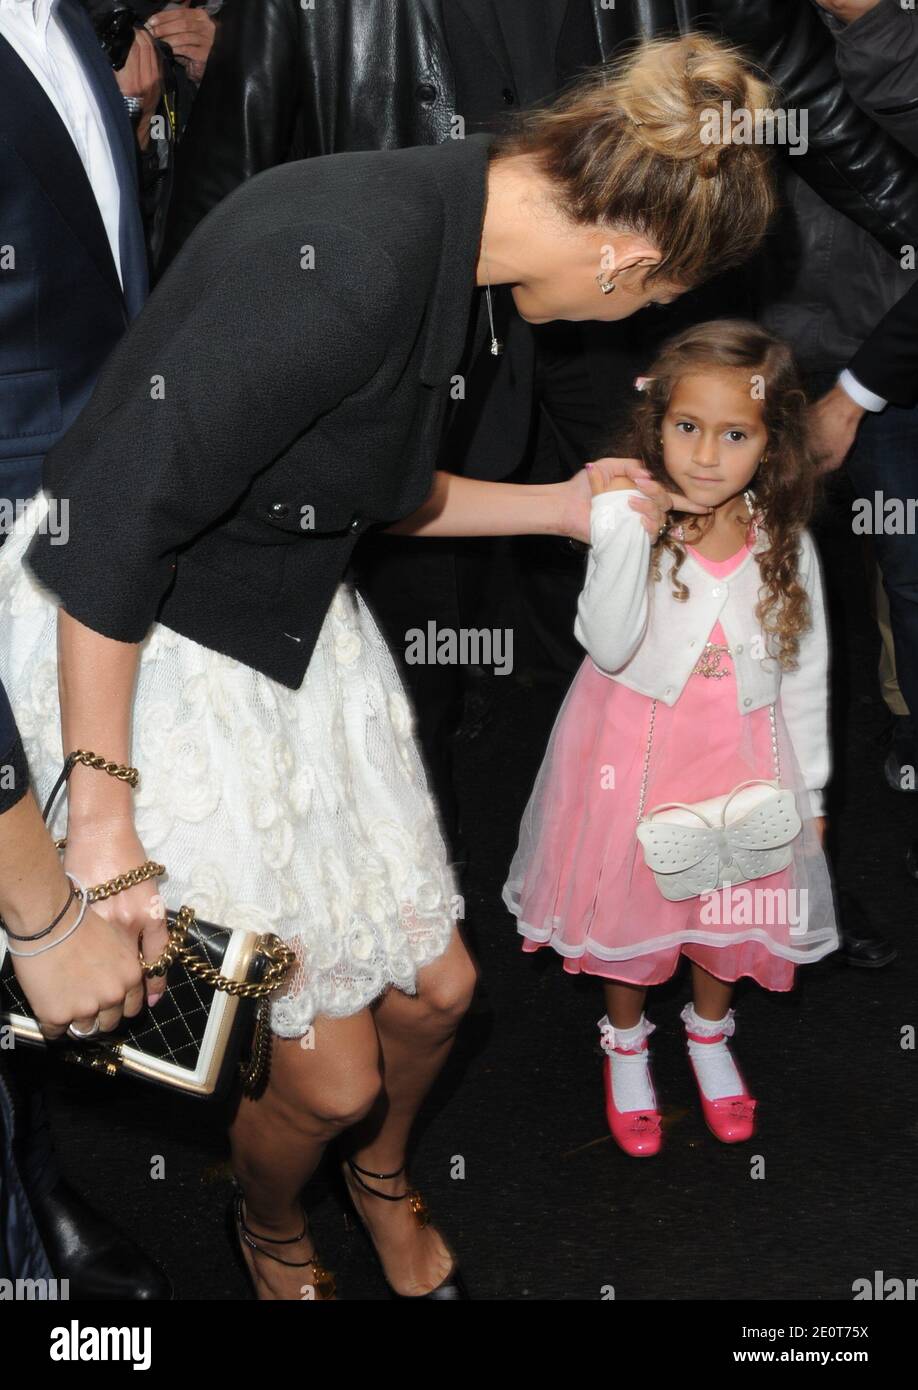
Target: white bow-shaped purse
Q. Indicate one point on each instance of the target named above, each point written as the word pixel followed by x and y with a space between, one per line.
pixel 744 834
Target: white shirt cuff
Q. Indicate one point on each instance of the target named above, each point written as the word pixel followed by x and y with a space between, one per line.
pixel 864 398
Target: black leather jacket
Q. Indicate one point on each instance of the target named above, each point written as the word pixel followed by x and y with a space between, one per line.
pixel 285 83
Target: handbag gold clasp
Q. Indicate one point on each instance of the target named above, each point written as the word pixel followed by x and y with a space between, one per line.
pixel 102 1057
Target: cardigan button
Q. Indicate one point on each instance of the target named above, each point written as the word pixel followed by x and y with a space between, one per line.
pixel 748 700
pixel 717 591
pixel 280 509
pixel 355 523
pixel 738 647
pixel 508 96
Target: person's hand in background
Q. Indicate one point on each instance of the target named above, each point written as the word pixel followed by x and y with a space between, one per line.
pixel 833 423
pixel 190 35
pixel 142 77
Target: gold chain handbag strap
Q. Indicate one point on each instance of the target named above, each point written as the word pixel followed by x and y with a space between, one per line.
pixel 129 879
pixel 253 1074
pixel 279 956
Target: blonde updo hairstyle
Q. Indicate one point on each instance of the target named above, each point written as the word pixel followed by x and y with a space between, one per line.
pixel 624 144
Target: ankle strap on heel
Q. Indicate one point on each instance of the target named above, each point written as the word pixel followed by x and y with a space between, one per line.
pixel 324 1279
pixel 411 1195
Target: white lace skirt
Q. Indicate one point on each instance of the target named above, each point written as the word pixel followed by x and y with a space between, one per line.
pixel 302 812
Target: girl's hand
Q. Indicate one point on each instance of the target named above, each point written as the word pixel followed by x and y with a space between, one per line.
pixel 95 974
pixel 99 851
pixel 657 500
pixel 820 824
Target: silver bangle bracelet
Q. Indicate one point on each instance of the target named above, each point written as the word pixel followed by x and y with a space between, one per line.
pixel 27 955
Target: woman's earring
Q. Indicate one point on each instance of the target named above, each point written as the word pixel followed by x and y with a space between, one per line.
pixel 607 286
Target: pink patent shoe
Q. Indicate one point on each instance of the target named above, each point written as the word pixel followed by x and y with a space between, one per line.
pixel 636 1132
pixel 732 1118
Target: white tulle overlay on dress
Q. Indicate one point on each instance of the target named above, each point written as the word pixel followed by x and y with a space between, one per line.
pixel 302 812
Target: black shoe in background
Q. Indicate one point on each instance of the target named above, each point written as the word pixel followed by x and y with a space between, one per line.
pixel 100 1261
pixel 861 945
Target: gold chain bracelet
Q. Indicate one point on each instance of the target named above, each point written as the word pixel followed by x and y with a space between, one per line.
pixel 119 770
pixel 129 879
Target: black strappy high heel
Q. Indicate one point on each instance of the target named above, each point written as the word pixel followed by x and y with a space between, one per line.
pixel 324 1280
pixel 452 1286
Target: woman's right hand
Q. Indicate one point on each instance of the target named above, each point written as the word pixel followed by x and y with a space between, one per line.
pixel 101 850
pixel 94 974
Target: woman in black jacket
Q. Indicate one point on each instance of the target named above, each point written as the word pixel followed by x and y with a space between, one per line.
pixel 285 388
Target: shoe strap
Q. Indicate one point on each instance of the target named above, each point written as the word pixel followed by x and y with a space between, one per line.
pixel 248 1234
pixel 386 1196
pixel 369 1174
pixel 697 1037
pixel 272 1240
pixel 416 1202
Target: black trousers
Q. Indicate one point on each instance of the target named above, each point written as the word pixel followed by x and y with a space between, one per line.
pixel 409 582
pixel 531 585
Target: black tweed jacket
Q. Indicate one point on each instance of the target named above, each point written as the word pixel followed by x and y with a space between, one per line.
pixel 285 387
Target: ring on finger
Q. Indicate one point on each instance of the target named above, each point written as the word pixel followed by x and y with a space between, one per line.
pixel 76 1033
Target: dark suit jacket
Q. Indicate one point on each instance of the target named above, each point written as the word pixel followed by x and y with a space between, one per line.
pixel 251 389
pixel 61 306
pixel 887 363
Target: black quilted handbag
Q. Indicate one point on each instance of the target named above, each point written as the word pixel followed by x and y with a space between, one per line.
pixel 210 1029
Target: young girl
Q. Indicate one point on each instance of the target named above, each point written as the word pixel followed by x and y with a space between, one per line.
pixel 707 667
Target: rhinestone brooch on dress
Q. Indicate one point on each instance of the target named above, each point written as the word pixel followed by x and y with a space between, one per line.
pixel 708 664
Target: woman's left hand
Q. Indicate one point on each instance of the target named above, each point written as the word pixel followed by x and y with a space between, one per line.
pixel 620 474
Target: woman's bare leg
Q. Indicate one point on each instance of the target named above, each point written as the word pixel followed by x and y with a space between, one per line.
pixel 416 1033
pixel 312 1096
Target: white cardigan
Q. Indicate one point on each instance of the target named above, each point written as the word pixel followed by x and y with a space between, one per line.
pixel 638 633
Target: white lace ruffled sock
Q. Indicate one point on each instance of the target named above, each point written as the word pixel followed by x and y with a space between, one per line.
pixel 632 1087
pixel 717 1072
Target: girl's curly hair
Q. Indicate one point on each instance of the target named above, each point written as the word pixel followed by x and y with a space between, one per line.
pixel 786 484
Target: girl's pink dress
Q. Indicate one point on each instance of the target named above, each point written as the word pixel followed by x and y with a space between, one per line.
pixel 578 881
